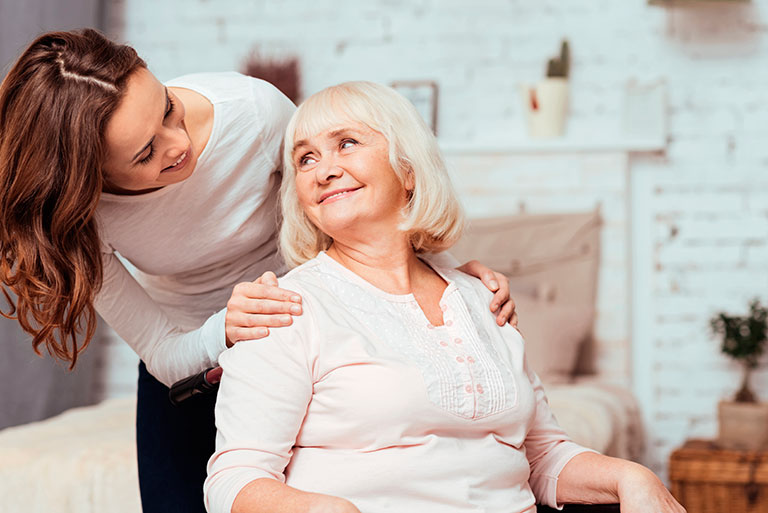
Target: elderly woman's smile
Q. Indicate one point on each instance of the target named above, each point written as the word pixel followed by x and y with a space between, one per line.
pixel 334 195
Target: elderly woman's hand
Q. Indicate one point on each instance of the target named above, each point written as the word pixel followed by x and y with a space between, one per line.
pixel 591 478
pixel 255 306
pixel 643 492
pixel 502 305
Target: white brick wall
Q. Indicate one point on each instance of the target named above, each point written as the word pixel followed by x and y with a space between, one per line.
pixel 699 213
pixel 501 184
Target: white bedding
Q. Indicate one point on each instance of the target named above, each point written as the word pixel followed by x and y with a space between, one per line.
pixel 600 416
pixel 84 460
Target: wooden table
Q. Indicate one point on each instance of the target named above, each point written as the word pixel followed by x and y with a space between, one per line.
pixel 707 479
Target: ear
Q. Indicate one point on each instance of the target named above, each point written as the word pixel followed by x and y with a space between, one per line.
pixel 410 181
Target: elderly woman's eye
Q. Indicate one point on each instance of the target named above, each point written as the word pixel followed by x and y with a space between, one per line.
pixel 346 143
pixel 306 159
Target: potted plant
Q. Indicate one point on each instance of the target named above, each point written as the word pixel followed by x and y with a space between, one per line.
pixel 743 422
pixel 546 103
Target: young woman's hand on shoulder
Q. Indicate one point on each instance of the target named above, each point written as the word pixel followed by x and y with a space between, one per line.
pixel 502 305
pixel 256 306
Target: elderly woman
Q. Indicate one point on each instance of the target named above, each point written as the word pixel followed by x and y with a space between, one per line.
pixel 394 392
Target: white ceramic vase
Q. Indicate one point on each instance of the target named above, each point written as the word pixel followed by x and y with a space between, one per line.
pixel 546 107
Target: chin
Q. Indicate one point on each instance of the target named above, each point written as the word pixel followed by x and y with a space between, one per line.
pixel 337 227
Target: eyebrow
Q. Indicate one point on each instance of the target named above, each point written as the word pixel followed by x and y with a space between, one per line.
pixel 144 148
pixel 331 135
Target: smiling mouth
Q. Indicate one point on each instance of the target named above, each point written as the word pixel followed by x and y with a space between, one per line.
pixel 337 194
pixel 179 163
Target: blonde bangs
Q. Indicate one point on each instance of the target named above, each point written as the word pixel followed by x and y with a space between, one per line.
pixel 331 107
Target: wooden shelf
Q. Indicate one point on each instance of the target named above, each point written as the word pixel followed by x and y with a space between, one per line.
pixel 559 145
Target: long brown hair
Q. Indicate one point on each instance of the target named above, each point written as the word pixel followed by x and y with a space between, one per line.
pixel 54 107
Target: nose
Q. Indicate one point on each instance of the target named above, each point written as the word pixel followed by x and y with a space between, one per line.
pixel 177 141
pixel 328 169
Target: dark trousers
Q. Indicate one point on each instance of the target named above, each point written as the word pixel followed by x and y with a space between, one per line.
pixel 173 445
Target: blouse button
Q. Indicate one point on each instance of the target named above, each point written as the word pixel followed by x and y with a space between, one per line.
pixel 429 326
pixel 468 388
pixel 460 359
pixel 457 340
pixel 443 307
pixel 449 322
pixel 470 359
pixel 480 389
pixel 443 343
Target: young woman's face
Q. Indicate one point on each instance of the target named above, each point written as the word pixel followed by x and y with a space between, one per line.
pixel 344 180
pixel 148 145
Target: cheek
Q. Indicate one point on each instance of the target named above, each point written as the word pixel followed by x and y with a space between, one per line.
pixel 117 177
pixel 304 190
pixel 140 176
pixel 396 190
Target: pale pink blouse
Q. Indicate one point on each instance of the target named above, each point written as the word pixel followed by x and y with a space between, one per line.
pixel 364 399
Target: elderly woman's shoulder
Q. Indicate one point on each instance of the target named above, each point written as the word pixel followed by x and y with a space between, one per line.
pixel 466 283
pixel 310 279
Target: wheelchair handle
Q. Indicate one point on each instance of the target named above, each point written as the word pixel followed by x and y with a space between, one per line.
pixel 205 382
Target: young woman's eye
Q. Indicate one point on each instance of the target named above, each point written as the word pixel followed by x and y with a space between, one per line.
pixel 146 159
pixel 346 143
pixel 169 109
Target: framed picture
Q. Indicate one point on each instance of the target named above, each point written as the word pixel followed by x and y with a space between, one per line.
pixel 423 95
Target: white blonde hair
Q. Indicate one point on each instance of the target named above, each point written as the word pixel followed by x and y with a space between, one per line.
pixel 432 218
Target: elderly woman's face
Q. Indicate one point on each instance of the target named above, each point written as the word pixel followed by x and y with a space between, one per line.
pixel 344 180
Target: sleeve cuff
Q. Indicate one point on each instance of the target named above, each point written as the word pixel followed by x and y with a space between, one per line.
pixel 544 481
pixel 221 491
pixel 215 336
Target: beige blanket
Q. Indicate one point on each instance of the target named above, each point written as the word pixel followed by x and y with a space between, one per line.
pixel 82 461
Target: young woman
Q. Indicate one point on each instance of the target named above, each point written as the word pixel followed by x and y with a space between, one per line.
pixel 100 161
pixel 393 392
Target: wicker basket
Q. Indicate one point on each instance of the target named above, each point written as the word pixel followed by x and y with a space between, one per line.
pixel 706 479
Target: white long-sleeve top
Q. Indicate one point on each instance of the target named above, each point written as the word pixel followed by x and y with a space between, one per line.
pixel 193 241
pixel 364 399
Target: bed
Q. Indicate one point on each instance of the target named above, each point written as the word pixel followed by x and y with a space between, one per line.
pixel 84 460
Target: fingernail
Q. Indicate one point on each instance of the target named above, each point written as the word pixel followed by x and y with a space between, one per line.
pixel 295 299
pixel 263 332
pixel 296 309
pixel 494 284
pixel 285 319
